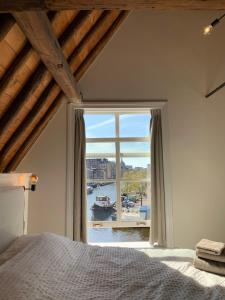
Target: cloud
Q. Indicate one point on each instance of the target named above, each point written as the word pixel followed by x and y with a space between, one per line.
pixel 101 124
pixel 109 121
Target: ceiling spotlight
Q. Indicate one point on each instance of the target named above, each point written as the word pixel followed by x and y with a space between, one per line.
pixel 209 28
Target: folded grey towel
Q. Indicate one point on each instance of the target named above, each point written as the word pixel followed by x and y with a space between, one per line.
pixel 212 257
pixel 209 266
pixel 210 247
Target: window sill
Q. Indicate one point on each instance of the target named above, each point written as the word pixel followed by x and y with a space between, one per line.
pixel 135 245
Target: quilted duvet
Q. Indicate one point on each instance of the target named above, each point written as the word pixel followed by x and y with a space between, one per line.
pixel 52 267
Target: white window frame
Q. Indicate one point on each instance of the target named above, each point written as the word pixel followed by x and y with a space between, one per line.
pixel 119 223
pixel 120 106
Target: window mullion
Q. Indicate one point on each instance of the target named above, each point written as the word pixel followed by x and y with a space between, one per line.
pixel 118 202
pixel 119 180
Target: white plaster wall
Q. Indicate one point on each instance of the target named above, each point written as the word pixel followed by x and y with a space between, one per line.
pixel 47 159
pixel 155 55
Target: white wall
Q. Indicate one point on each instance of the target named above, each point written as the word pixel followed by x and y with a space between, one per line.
pixel 47 159
pixel 155 55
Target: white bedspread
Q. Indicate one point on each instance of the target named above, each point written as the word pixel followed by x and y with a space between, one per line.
pixel 48 266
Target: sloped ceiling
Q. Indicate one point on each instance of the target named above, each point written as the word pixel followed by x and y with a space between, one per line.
pixel 30 91
pixel 29 95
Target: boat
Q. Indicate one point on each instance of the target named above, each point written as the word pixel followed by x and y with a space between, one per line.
pixel 103 203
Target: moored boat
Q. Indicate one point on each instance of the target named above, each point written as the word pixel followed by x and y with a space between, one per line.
pixel 103 203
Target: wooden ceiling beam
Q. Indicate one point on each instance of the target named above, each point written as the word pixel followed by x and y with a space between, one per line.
pixel 99 47
pixel 77 31
pixel 29 124
pixel 24 103
pixel 92 39
pixel 10 154
pixel 21 106
pixel 7 22
pixel 19 5
pixel 41 77
pixel 22 151
pixel 37 28
pixel 12 75
pixel 29 130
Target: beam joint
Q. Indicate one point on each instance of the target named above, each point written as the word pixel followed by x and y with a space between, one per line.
pixel 37 28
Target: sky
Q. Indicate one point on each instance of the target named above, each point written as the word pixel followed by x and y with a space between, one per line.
pixel 100 125
pixel 131 125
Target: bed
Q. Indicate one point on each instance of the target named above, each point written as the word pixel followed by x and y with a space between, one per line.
pixel 52 267
pixel 49 266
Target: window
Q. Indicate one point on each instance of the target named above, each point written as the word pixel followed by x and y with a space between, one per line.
pixel 118 175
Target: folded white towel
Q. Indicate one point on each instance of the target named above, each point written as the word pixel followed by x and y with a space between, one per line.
pixel 212 257
pixel 210 247
pixel 209 266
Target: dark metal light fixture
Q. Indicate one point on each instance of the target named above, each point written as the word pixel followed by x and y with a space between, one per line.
pixel 209 28
pixel 32 183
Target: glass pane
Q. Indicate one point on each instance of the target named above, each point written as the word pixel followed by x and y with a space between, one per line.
pixel 132 147
pixel 99 126
pixel 101 168
pixel 114 235
pixel 100 148
pixel 135 201
pixel 101 201
pixel 135 167
pixel 134 125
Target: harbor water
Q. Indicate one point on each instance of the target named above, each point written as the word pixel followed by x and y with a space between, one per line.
pixel 110 234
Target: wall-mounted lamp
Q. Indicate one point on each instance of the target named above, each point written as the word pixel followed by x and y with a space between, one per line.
pixel 209 28
pixel 32 183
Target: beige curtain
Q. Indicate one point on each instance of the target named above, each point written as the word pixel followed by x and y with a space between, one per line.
pixel 158 220
pixel 79 213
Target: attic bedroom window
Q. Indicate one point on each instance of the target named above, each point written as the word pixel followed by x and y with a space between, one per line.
pixel 118 176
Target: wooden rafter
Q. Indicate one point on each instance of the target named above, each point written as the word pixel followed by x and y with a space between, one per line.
pixel 36 84
pixel 35 105
pixel 92 39
pixel 44 101
pixel 41 77
pixel 38 30
pixel 12 77
pixel 35 134
pixel 24 101
pixel 78 32
pixel 29 123
pixel 7 21
pixel 18 5
pixel 100 45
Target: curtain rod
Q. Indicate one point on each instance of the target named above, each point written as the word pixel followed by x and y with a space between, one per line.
pixel 107 104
